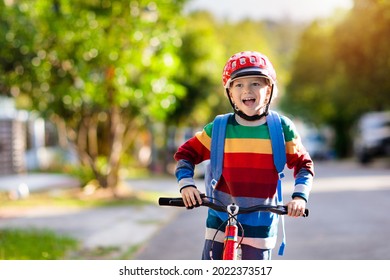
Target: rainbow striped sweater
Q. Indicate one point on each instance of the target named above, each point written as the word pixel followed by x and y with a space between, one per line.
pixel 248 177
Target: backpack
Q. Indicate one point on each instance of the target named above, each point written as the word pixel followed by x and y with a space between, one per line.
pixel 214 171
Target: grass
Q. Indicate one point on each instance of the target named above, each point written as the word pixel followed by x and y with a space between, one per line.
pixel 33 244
pixel 36 244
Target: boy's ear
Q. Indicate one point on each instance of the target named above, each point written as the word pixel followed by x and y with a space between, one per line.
pixel 269 90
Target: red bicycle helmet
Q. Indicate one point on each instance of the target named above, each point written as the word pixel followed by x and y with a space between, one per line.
pixel 247 63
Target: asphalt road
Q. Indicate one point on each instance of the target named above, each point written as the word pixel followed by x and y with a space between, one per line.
pixel 348 220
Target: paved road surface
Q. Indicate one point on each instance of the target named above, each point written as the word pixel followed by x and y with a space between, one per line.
pixel 349 219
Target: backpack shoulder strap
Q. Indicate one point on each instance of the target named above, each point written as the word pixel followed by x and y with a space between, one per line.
pixel 277 140
pixel 279 155
pixel 217 147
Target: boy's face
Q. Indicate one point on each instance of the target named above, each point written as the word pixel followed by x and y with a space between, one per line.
pixel 250 94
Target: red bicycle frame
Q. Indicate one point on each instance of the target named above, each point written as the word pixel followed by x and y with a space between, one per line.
pixel 231 234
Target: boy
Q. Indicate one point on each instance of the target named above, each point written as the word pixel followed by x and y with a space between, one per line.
pixel 249 176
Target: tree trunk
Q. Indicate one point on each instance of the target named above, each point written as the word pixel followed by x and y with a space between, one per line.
pixel 116 150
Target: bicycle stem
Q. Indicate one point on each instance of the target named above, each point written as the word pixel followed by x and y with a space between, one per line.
pixel 232 210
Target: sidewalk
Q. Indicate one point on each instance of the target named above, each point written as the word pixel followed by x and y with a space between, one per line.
pixel 20 185
pixel 121 227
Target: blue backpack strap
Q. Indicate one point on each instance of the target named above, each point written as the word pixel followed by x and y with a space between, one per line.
pixel 279 155
pixel 217 147
pixel 278 142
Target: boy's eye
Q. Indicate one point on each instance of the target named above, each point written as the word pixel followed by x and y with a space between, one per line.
pixel 252 84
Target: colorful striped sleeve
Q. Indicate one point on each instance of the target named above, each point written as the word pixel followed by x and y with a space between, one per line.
pixel 192 152
pixel 298 159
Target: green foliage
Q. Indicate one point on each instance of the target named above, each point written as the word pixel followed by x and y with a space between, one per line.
pixel 312 68
pixel 102 68
pixel 16 244
pixel 363 47
pixel 15 45
pixel 202 55
pixel 91 56
pixel 341 70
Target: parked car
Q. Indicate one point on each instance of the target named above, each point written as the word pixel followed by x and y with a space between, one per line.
pixel 373 136
pixel 317 146
pixel 318 141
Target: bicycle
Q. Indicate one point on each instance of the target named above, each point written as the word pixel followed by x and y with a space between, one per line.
pixel 231 243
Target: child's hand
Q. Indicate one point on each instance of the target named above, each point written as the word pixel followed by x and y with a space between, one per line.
pixel 191 197
pixel 296 207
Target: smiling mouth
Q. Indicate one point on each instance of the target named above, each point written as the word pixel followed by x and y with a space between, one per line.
pixel 249 101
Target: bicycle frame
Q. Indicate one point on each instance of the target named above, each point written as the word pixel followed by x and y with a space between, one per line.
pixel 231 234
pixel 231 244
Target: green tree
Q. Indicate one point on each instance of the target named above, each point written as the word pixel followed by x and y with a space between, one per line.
pixel 101 70
pixel 340 70
pixel 16 39
pixel 202 54
pixel 363 47
pixel 313 67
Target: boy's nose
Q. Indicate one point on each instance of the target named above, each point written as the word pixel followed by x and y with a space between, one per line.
pixel 246 88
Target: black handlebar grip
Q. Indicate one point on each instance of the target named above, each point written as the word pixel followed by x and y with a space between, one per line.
pixel 166 201
pixel 306 214
pixel 176 201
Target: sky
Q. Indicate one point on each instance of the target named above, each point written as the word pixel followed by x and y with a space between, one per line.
pixel 301 10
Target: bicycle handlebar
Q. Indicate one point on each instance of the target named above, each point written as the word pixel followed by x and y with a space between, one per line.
pixel 178 202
